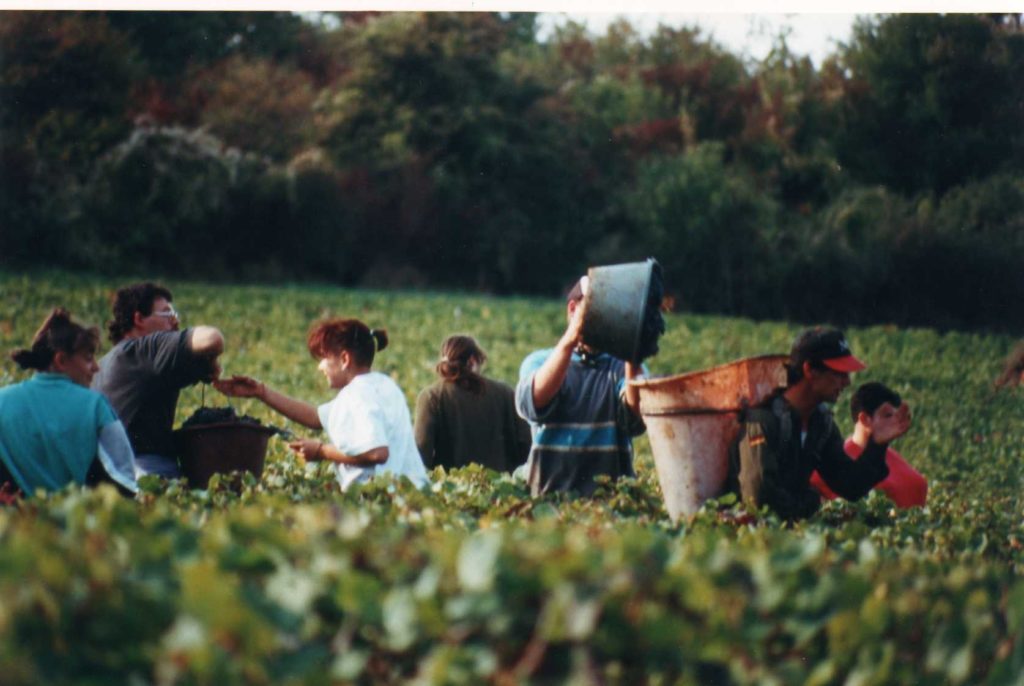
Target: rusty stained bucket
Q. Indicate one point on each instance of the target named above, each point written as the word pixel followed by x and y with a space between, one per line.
pixel 693 418
pixel 220 448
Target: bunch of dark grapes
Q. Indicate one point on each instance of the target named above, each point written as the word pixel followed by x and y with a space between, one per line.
pixel 217 415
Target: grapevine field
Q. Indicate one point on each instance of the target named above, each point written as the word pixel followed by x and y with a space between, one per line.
pixel 473 581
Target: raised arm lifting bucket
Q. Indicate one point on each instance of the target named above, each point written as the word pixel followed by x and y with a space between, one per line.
pixel 693 418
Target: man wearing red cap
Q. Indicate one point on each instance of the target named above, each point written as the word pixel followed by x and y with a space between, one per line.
pixel 783 441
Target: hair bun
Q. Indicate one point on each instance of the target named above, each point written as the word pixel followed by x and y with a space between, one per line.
pixel 28 359
pixel 59 333
pixel 381 338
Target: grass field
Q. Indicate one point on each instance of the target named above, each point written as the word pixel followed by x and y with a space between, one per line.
pixel 292 582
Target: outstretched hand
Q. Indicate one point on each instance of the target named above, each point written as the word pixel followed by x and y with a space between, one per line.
pixel 886 429
pixel 310 449
pixel 239 386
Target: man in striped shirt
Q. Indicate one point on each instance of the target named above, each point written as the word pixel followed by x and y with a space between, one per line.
pixel 582 413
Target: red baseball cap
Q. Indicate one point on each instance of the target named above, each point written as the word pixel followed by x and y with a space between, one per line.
pixel 827 347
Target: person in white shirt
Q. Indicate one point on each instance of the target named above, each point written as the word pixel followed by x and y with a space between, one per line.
pixel 368 422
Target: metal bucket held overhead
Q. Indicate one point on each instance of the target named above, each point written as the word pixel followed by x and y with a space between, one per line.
pixel 616 303
pixel 693 418
pixel 220 448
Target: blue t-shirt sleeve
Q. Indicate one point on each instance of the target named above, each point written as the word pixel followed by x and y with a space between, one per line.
pixel 524 389
pixel 524 400
pixel 532 362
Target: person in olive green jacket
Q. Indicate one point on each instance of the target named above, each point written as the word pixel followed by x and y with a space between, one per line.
pixel 466 418
pixel 783 441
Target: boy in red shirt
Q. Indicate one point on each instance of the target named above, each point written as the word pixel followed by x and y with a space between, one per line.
pixel 905 486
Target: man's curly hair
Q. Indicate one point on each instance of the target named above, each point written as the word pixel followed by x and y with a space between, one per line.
pixel 127 301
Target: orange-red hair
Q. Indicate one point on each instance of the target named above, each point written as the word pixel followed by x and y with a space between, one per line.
pixel 331 336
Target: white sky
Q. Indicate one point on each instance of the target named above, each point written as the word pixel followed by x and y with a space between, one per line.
pixel 745 27
pixel 746 34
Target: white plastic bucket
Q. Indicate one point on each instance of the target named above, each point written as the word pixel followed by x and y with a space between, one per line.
pixel 693 418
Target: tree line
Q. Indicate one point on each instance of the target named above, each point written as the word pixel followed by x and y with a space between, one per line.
pixel 463 151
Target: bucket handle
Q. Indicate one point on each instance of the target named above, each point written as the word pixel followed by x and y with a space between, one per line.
pixel 689 410
pixel 202 398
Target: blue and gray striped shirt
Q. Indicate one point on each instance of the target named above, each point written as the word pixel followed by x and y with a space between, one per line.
pixel 585 431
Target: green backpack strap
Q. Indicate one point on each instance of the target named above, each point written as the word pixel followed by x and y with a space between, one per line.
pixel 785 424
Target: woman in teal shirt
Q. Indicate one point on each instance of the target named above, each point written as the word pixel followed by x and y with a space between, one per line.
pixel 54 430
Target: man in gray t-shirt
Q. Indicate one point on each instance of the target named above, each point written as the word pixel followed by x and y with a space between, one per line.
pixel 148 366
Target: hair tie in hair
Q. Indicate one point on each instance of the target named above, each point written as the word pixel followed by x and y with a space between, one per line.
pixel 25 358
pixel 373 339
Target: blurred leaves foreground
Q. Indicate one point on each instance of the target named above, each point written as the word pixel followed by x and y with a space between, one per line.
pixel 288 581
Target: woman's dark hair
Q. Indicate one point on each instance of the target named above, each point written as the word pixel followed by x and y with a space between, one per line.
pixel 457 352
pixel 331 336
pixel 1013 368
pixel 138 297
pixel 57 334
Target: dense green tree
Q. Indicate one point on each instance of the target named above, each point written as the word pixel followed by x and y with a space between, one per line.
pixel 65 82
pixel 475 176
pixel 256 104
pixel 787 138
pixel 175 50
pixel 182 184
pixel 171 42
pixel 460 150
pixel 932 101
pixel 706 224
pixel 707 87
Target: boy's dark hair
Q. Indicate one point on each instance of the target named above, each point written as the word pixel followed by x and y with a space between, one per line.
pixel 137 297
pixel 871 396
pixel 575 294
